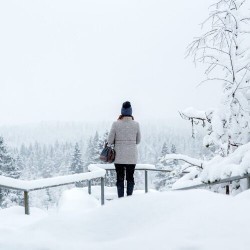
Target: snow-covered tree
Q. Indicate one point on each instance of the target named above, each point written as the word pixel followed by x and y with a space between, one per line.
pixel 76 164
pixel 89 154
pixel 165 180
pixel 95 149
pixel 224 48
pixel 175 167
pixel 161 177
pixel 173 163
pixel 164 151
pixel 8 168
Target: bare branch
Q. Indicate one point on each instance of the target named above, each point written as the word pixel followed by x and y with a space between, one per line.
pixel 239 83
pixel 216 79
pixel 219 50
pixel 245 19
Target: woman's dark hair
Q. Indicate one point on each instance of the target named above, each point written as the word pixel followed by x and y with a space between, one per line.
pixel 121 116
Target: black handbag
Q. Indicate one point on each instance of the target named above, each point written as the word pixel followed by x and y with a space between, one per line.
pixel 108 154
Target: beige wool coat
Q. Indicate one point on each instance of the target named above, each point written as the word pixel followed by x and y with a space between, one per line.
pixel 125 134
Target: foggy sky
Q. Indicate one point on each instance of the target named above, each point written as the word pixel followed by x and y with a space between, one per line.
pixel 79 60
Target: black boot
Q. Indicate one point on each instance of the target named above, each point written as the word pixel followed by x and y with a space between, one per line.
pixel 130 187
pixel 120 188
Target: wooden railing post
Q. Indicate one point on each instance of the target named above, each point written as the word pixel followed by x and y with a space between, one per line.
pixel 227 190
pixel 89 186
pixel 146 181
pixel 26 203
pixel 102 190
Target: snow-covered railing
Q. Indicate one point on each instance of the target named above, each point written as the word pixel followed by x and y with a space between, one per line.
pixel 218 170
pixel 95 171
pixel 140 167
pixel 32 185
pixel 225 180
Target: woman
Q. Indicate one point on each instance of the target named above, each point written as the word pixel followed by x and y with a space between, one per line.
pixel 125 135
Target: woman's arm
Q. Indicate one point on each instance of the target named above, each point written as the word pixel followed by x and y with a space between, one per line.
pixel 111 136
pixel 138 135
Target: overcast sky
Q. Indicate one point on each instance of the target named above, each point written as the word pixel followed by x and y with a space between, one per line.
pixel 80 59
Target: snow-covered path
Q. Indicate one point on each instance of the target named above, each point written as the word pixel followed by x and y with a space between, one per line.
pixel 184 220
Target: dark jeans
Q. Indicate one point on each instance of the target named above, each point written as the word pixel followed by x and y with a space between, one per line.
pixel 120 174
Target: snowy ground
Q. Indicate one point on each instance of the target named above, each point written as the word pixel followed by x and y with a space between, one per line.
pixel 179 220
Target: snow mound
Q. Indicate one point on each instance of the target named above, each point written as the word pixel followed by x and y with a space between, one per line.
pixel 76 199
pixel 244 196
pixel 14 218
pixel 111 192
pixel 176 220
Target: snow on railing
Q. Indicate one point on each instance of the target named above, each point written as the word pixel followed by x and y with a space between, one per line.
pixel 228 181
pixel 145 167
pixel 32 185
pixel 218 170
pixel 112 166
pixel 95 171
pixel 140 167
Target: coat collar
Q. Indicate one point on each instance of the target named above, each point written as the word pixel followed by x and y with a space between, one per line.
pixel 127 118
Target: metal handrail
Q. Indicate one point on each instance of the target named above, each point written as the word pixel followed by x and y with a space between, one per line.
pixel 28 186
pixel 139 169
pixel 153 170
pixel 225 180
pixel 20 185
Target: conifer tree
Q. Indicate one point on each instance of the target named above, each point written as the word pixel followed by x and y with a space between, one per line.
pixel 165 180
pixel 173 163
pixel 76 164
pixel 160 177
pixel 8 168
pixel 175 170
pixel 164 151
pixel 89 152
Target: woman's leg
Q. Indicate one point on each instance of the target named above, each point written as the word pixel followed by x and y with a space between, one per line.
pixel 120 172
pixel 130 169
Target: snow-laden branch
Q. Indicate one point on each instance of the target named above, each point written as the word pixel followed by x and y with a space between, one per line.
pixel 218 168
pixel 193 113
pixel 190 160
pixel 224 49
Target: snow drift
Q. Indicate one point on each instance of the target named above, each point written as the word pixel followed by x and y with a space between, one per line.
pixel 176 220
